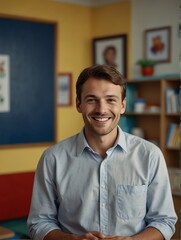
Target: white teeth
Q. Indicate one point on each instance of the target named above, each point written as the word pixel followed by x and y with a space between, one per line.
pixel 101 119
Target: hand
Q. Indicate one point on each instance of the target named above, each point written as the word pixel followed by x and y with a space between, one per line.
pixel 93 236
pixel 97 236
pixel 59 235
pixel 118 238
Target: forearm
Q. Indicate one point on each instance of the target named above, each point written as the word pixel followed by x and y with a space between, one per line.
pixel 149 234
pixel 60 235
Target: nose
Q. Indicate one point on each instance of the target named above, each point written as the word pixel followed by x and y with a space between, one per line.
pixel 101 107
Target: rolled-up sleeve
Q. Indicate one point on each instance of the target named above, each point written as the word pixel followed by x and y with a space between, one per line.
pixel 160 209
pixel 43 212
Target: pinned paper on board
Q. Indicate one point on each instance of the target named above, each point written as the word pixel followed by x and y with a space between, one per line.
pixel 4 83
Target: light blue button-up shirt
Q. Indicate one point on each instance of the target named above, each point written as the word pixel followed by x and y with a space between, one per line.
pixel 77 192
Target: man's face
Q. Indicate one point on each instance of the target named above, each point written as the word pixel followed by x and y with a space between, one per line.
pixel 110 56
pixel 101 105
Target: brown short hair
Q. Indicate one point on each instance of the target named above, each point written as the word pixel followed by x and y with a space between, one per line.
pixel 101 72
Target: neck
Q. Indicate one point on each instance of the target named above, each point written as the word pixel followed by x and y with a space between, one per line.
pixel 101 144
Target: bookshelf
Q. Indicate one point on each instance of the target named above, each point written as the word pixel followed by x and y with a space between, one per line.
pixel 155 123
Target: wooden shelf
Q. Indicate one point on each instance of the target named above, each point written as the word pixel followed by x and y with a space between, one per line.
pixel 155 124
pixel 172 148
pixel 143 113
pixel 173 114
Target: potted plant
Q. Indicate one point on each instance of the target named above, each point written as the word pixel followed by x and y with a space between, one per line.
pixel 147 66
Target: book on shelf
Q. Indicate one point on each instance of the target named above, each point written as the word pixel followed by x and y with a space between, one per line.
pixel 173 136
pixel 130 96
pixel 172 100
pixel 127 123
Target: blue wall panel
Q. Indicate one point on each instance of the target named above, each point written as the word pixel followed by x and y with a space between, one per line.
pixel 30 46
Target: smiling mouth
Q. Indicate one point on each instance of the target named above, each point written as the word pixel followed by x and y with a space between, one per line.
pixel 101 119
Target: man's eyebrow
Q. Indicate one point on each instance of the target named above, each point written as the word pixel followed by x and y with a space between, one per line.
pixel 90 96
pixel 112 96
pixel 107 96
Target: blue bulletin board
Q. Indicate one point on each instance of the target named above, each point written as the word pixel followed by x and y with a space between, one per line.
pixel 30 47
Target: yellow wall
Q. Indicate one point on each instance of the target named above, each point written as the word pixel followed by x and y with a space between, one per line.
pixel 77 25
pixel 113 19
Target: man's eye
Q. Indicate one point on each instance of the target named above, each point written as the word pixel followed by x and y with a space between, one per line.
pixel 111 100
pixel 91 100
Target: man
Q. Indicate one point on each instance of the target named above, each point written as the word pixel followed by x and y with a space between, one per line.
pixel 102 183
pixel 109 55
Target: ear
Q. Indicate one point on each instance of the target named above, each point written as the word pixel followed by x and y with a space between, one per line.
pixel 123 106
pixel 78 105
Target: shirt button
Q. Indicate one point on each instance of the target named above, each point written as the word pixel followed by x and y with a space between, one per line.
pixel 103 186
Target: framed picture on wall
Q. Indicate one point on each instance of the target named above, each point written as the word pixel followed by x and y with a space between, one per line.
pixel 157 44
pixel 111 50
pixel 64 89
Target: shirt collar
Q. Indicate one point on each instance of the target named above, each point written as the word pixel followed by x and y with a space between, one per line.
pixel 121 140
pixel 82 142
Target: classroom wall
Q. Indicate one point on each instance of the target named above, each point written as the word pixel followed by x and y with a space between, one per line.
pixel 73 54
pixel 77 25
pixel 114 19
pixel 147 15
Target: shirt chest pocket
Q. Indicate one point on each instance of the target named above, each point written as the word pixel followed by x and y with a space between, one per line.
pixel 131 201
